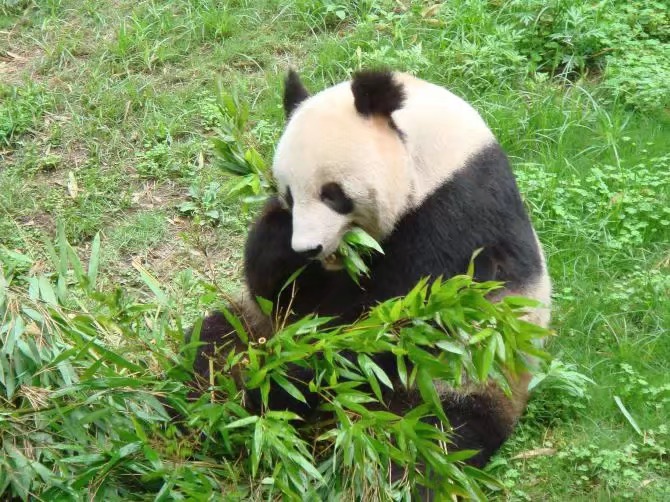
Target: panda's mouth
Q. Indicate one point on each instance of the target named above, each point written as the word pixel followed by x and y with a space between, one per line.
pixel 333 262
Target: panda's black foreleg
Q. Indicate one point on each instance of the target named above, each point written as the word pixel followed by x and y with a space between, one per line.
pixel 218 339
pixel 269 263
pixel 269 260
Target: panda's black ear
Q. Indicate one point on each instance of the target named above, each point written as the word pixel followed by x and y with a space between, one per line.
pixel 294 92
pixel 376 92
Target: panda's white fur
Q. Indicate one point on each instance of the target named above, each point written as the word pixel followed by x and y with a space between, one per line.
pixel 540 290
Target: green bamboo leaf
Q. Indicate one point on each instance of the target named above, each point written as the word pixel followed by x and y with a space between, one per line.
pixel 288 387
pixel 354 264
pixel 13 335
pixel 282 415
pixel 370 367
pixel 424 381
pixel 402 370
pixel 449 346
pixel 152 283
pixel 77 267
pixel 257 377
pixel 86 459
pixel 481 336
pixel 360 237
pixel 292 278
pixel 501 350
pixel 485 478
pixel 236 324
pixel 242 422
pixel 471 265
pixel 46 291
pixel 307 466
pixel 265 305
pixel 487 356
pixel 257 447
pixel 374 385
pixel 63 247
pixel 520 301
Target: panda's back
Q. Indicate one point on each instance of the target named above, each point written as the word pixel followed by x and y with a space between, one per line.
pixel 442 132
pixel 466 198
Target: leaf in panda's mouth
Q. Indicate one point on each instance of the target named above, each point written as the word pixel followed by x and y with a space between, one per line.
pixel 356 244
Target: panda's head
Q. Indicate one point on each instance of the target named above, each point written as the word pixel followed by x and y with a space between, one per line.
pixel 342 161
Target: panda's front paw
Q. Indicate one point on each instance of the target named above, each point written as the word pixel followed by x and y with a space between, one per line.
pixel 269 259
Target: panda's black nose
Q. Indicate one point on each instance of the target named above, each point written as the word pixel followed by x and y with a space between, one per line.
pixel 311 253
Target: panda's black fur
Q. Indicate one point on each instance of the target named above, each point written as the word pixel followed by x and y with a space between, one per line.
pixel 478 207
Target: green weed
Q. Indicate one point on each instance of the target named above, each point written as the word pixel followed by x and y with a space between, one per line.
pixel 205 204
pixel 21 107
pixel 141 231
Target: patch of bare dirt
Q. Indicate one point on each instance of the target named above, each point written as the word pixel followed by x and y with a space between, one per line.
pixel 153 195
pixel 42 221
pixel 200 248
pixel 56 163
pixel 216 259
pixel 16 66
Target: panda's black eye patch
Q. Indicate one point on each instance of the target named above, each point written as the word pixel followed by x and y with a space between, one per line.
pixel 334 197
pixel 288 198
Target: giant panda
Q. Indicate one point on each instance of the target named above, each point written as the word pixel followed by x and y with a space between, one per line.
pixel 418 169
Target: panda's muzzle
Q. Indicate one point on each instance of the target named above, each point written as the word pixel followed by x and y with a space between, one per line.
pixel 317 232
pixel 330 262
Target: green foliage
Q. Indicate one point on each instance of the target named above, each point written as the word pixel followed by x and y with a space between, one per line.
pixel 85 376
pixel 563 378
pixel 616 468
pixel 622 470
pixel 331 14
pixel 157 161
pixel 626 205
pixel 156 33
pixel 9 7
pixel 562 35
pixel 626 40
pixel 637 75
pixel 139 232
pixel 355 246
pixel 622 467
pixel 232 157
pixel 624 43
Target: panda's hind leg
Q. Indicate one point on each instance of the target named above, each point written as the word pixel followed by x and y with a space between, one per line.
pixel 484 418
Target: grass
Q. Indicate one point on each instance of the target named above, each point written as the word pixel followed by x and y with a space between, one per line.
pixel 107 110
